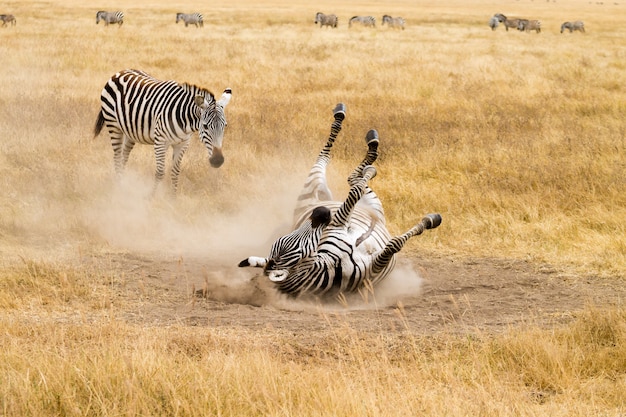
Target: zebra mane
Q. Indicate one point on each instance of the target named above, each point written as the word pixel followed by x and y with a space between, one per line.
pixel 198 91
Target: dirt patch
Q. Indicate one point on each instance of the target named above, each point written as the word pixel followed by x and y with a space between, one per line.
pixel 425 295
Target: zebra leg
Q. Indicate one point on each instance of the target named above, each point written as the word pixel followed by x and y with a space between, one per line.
pixel 357 190
pixel 118 142
pixel 316 189
pixel 177 157
pixel 160 149
pixel 384 257
pixel 127 148
pixel 369 198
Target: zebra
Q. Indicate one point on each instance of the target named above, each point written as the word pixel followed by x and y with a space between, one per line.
pixel 508 23
pixel 326 20
pixel 336 247
pixel 526 25
pixel 8 18
pixel 494 22
pixel 393 22
pixel 191 19
pixel 572 26
pixel 137 108
pixel 367 21
pixel 110 17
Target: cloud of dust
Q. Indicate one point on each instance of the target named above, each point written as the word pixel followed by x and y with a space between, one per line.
pixel 131 219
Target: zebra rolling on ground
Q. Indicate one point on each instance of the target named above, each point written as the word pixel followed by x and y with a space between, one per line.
pixel 8 18
pixel 573 26
pixel 393 22
pixel 336 247
pixel 110 17
pixel 367 21
pixel 329 20
pixel 191 19
pixel 137 108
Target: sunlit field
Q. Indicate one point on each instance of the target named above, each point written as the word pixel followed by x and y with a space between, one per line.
pixel 517 139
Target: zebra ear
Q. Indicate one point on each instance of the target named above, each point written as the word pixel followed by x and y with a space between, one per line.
pixel 200 102
pixel 223 101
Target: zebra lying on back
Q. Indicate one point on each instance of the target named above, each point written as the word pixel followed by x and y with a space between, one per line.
pixel 137 108
pixel 110 17
pixel 190 19
pixel 326 19
pixel 336 247
pixel 8 18
pixel 572 26
pixel 367 21
pixel 526 25
pixel 393 22
pixel 508 23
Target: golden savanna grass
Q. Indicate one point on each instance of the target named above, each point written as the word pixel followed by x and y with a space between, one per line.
pixel 517 139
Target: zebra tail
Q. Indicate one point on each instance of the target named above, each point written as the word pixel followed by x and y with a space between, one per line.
pixel 99 123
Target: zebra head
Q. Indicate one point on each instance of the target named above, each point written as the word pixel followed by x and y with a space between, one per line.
pixel 288 250
pixel 212 124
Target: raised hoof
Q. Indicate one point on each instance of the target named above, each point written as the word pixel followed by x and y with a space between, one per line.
pixel 371 137
pixel 432 220
pixel 340 111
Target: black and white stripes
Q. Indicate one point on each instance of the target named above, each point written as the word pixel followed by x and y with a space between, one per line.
pixel 137 108
pixel 110 17
pixel 336 246
pixel 195 19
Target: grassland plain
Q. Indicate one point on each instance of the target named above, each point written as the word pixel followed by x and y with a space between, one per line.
pixel 115 303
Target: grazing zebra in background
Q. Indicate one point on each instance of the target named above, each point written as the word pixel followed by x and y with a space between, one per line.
pixel 326 20
pixel 494 22
pixel 393 22
pixel 508 23
pixel 526 25
pixel 137 108
pixel 110 17
pixel 8 18
pixel 572 26
pixel 336 247
pixel 191 19
pixel 367 21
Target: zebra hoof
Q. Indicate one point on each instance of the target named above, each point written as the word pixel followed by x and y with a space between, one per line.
pixel 371 137
pixel 340 111
pixel 432 220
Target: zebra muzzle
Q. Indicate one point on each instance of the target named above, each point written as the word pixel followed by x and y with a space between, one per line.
pixel 217 158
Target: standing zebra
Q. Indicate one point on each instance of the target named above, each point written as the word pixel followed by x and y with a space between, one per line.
pixel 508 23
pixel 367 21
pixel 190 19
pixel 8 18
pixel 137 108
pixel 326 20
pixel 336 247
pixel 526 25
pixel 573 26
pixel 110 17
pixel 393 22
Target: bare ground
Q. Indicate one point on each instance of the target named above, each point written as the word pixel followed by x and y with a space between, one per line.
pixel 425 296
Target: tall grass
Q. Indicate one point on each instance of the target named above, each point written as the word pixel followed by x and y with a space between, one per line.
pixel 517 139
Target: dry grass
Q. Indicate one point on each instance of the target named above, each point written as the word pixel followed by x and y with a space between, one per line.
pixel 517 139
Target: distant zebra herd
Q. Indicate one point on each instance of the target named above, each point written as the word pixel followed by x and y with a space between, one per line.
pixel 527 25
pixel 332 21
